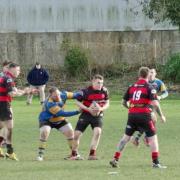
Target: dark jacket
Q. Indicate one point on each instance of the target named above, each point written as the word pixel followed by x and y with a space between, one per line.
pixel 37 77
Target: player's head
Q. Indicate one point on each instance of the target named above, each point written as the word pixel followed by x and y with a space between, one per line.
pixel 5 65
pixel 144 72
pixel 38 65
pixel 97 82
pixel 14 69
pixel 54 93
pixel 152 74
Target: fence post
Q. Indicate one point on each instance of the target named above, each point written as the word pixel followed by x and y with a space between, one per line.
pixel 154 49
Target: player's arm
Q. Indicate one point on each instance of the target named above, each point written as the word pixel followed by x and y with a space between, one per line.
pixel 126 99
pixel 164 92
pixel 82 106
pixel 12 90
pixel 67 113
pixel 105 106
pixel 157 107
pixel 106 100
pixel 55 110
pixel 71 95
pixel 19 92
pixel 125 103
pixel 155 103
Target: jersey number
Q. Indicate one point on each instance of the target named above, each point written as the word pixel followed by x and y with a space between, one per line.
pixel 137 95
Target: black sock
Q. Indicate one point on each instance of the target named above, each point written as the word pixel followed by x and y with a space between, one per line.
pixel 156 161
pixel 9 148
pixel 1 139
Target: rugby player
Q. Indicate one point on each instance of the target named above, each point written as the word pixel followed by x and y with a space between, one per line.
pixel 93 102
pixel 138 99
pixel 54 116
pixel 5 66
pixel 7 91
pixel 162 93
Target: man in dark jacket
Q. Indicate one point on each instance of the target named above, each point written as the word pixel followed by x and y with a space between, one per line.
pixel 37 78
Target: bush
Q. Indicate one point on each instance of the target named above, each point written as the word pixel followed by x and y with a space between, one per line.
pixel 172 68
pixel 76 62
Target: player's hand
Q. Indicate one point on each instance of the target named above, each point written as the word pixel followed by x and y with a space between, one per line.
pixel 28 90
pixel 153 117
pixel 80 110
pixel 163 119
pixel 94 109
pixel 34 91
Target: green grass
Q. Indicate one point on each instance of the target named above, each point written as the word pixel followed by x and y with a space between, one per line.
pixel 134 165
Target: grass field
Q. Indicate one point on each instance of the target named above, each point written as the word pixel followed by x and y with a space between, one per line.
pixel 134 165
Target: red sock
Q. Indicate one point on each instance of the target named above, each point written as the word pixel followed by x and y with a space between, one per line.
pixel 74 153
pixel 117 155
pixel 92 152
pixel 155 156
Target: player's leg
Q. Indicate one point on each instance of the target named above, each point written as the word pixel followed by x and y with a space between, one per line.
pixel 68 132
pixel 1 138
pixel 42 93
pixel 4 114
pixel 130 129
pixel 30 96
pixel 96 124
pixel 81 126
pixel 121 145
pixel 153 143
pixel 10 151
pixel 136 138
pixel 75 154
pixel 4 135
pixel 94 143
pixel 154 120
pixel 1 132
pixel 43 137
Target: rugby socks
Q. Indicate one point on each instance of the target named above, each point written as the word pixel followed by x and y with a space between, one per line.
pixel 9 148
pixel 74 153
pixel 92 152
pixel 42 146
pixel 155 156
pixel 117 155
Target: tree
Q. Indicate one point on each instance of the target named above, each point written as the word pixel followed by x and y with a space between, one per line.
pixel 161 10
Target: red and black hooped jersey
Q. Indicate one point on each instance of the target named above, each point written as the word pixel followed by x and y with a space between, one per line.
pixel 90 95
pixel 6 85
pixel 140 96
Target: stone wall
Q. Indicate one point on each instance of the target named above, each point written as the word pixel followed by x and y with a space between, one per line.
pixel 133 47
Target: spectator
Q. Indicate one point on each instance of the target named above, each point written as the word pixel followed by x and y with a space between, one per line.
pixel 37 78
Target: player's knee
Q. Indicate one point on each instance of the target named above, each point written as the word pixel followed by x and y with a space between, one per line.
pixel 97 132
pixel 69 134
pixel 9 129
pixel 77 135
pixel 44 132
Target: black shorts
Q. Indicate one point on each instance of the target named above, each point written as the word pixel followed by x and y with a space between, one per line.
pixel 5 111
pixel 53 125
pixel 140 122
pixel 85 119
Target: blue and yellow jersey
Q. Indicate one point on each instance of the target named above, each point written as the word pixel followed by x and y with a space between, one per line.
pixel 54 111
pixel 160 87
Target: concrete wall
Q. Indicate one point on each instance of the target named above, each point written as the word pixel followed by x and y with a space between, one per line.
pixel 103 47
pixel 74 16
